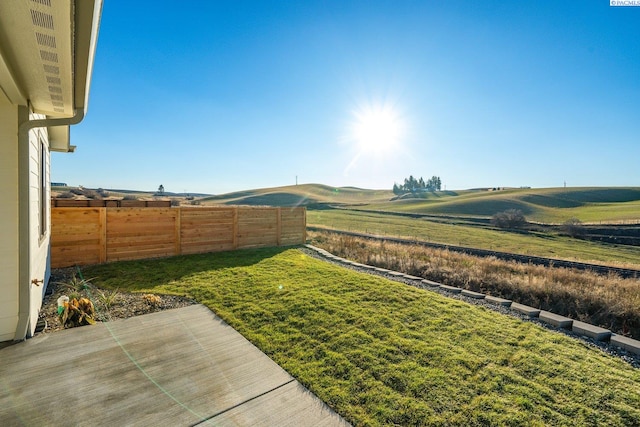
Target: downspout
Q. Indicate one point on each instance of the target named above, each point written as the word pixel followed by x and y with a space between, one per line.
pixel 24 229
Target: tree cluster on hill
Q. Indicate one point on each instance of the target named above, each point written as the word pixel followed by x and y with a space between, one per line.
pixel 412 185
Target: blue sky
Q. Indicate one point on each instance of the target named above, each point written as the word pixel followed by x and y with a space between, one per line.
pixel 217 96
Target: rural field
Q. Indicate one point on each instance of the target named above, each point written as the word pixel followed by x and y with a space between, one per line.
pixel 463 217
pixel 546 205
pixel 383 353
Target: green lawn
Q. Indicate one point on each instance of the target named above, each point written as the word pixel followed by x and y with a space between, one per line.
pixel 534 243
pixel 382 353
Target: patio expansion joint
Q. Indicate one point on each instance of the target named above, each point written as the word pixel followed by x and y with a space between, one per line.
pixel 217 414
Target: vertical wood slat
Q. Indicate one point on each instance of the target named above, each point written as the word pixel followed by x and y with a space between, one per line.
pixel 103 235
pixel 177 233
pixel 235 228
pixel 89 235
pixel 278 226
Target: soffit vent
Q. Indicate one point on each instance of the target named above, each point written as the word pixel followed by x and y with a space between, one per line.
pixel 54 80
pixel 51 69
pixel 41 19
pixel 49 56
pixel 37 39
pixel 46 40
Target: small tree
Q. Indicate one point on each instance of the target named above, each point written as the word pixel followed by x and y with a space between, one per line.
pixel 434 183
pixel 574 228
pixel 509 219
pixel 161 189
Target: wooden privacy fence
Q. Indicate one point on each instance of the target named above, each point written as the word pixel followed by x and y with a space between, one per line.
pixel 81 236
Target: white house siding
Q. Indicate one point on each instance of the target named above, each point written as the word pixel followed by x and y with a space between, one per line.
pixel 8 219
pixel 39 245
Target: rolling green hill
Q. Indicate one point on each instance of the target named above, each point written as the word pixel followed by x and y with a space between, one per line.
pixel 549 205
pixel 543 205
pixel 314 195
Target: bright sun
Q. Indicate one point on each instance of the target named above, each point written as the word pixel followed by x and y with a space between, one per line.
pixel 377 130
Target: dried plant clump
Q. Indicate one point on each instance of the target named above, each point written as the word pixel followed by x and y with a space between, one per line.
pixel 76 312
pixel 152 299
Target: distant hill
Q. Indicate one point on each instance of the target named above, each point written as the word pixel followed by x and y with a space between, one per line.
pixel 312 195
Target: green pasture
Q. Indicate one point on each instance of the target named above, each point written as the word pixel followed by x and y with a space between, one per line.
pixel 384 353
pixel 548 205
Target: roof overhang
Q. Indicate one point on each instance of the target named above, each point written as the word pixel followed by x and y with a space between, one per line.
pixel 47 48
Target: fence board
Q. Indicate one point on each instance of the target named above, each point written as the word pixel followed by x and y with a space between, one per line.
pixel 91 235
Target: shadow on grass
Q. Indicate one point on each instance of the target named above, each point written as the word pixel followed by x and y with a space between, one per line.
pixel 152 273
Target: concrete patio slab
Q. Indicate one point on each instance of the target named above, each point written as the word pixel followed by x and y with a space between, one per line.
pixel 176 367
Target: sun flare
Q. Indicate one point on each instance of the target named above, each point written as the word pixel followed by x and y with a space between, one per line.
pixel 377 130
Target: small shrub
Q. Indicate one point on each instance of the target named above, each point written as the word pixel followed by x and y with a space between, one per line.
pixel 108 298
pixel 574 228
pixel 509 219
pixel 102 192
pixel 129 197
pixel 75 285
pixel 92 194
pixel 65 195
pixel 175 202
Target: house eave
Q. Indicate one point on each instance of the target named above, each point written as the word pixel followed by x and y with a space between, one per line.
pixel 47 49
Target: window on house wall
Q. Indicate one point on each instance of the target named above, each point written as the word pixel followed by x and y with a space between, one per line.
pixel 43 187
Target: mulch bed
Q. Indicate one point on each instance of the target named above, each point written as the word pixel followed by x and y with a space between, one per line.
pixel 122 306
